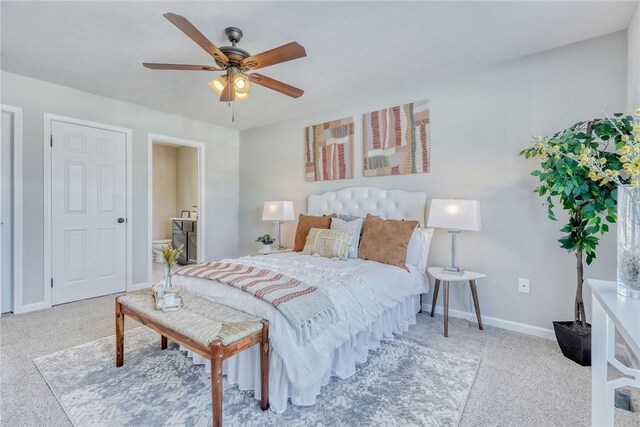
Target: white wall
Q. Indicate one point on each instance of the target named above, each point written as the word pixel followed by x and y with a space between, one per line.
pixel 165 189
pixel 37 97
pixel 480 122
pixel 187 180
pixel 633 62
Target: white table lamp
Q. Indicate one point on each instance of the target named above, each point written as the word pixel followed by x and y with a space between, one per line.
pixel 278 212
pixel 455 216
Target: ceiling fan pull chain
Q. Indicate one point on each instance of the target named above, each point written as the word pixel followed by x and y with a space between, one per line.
pixel 233 112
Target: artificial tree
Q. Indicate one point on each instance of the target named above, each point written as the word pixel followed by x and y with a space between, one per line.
pixel 580 171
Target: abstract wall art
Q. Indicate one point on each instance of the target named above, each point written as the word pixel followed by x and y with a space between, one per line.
pixel 329 150
pixel 396 140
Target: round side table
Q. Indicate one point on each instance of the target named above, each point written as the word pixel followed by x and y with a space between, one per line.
pixel 442 276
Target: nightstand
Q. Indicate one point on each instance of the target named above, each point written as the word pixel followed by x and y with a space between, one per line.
pixel 442 276
pixel 275 251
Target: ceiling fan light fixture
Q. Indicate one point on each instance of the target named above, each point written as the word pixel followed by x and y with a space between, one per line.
pixel 241 84
pixel 217 84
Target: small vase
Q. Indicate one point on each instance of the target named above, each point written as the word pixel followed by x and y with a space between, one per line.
pixel 167 277
pixel 629 241
pixel 266 249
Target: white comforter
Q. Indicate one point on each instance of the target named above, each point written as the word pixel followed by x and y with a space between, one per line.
pixel 361 291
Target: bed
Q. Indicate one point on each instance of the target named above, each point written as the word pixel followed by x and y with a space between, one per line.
pixel 373 302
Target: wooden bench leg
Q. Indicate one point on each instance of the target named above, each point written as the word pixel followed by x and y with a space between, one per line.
pixel 119 335
pixel 264 366
pixel 163 342
pixel 216 382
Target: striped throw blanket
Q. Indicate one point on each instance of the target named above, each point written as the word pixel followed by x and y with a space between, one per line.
pixel 308 310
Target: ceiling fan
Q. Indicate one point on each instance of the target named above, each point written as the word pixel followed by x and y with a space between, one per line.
pixel 235 63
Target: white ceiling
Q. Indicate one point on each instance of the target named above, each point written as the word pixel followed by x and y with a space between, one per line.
pixel 352 47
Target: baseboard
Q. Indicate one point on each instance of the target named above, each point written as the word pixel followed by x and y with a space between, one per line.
pixel 26 308
pixel 138 286
pixel 498 323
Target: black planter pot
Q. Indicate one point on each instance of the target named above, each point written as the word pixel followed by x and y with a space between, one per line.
pixel 574 345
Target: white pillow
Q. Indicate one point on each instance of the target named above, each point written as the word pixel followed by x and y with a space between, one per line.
pixel 356 226
pixel 418 248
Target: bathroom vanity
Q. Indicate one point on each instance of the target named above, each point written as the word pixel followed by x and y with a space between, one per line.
pixel 184 231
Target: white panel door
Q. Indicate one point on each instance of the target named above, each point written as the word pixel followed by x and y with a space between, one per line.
pixel 88 212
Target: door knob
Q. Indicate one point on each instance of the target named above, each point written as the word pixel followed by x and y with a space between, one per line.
pixel 120 220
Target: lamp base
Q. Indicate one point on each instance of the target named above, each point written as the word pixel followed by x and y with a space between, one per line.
pixel 453 270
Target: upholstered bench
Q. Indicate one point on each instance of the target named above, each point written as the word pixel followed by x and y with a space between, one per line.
pixel 207 328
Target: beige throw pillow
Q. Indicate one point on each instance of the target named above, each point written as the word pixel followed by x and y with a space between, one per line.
pixel 386 241
pixel 329 243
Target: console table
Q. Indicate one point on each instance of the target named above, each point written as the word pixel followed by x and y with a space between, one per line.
pixel 611 313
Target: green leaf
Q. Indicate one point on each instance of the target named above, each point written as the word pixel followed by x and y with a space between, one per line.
pixel 610 203
pixel 592 230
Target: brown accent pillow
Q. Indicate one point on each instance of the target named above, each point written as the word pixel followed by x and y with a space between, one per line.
pixel 386 241
pixel 306 223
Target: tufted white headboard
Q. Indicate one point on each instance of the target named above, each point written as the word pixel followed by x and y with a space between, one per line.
pixel 360 201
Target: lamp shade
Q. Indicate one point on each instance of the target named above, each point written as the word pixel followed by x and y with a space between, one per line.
pixel 454 214
pixel 218 84
pixel 278 211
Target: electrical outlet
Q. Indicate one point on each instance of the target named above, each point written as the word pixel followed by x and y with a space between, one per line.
pixel 523 286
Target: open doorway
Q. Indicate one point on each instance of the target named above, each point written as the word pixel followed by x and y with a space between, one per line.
pixel 176 201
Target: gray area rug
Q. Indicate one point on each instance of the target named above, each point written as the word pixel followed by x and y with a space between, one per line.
pixel 403 383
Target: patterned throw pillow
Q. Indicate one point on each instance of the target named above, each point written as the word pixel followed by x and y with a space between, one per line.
pixel 328 243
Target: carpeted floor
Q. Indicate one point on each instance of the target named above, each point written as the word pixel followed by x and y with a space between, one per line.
pixel 522 380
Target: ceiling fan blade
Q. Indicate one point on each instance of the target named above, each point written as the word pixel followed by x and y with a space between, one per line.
pixel 276 85
pixel 280 54
pixel 194 34
pixel 228 94
pixel 155 66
